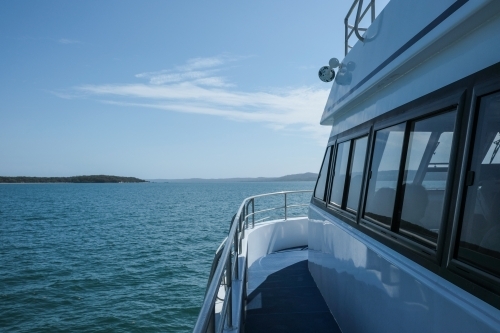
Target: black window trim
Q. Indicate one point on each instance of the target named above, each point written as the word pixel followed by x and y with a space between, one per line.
pixel 319 174
pixel 349 168
pixel 320 203
pixel 364 130
pixel 332 175
pixel 461 268
pixel 453 102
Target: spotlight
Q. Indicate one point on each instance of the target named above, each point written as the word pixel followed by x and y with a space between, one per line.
pixel 334 63
pixel 326 73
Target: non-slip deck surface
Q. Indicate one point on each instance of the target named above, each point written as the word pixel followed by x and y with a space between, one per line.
pixel 282 296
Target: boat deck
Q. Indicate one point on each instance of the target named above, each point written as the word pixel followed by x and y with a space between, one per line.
pixel 283 297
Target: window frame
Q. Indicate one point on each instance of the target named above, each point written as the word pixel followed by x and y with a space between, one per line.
pixel 363 130
pixel 349 168
pixel 453 263
pixel 332 175
pixel 454 102
pixel 331 147
pixel 368 169
pixel 447 188
pixel 440 101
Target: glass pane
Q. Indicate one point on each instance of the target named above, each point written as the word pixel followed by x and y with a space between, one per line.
pixel 426 171
pixel 491 156
pixel 480 232
pixel 384 174
pixel 437 172
pixel 323 176
pixel 416 148
pixel 340 173
pixel 357 165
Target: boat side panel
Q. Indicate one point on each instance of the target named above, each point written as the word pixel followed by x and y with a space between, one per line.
pixel 371 288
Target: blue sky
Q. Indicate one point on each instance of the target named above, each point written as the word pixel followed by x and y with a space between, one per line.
pixel 165 89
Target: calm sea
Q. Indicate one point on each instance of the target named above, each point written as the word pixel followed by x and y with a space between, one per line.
pixel 112 257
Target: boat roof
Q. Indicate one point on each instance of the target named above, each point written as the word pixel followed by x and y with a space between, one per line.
pixel 411 49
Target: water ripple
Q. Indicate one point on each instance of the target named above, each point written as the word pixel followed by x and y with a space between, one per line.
pixel 112 257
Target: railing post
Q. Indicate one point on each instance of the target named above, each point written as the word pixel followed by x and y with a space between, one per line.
pixel 285 207
pixel 253 213
pixel 346 46
pixel 373 10
pixel 358 18
pixel 243 217
pixel 242 229
pixel 236 251
pixel 240 219
pixel 230 296
pixel 246 215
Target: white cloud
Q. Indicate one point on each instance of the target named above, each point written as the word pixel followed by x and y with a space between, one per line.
pixel 198 63
pixel 214 81
pixel 163 77
pixel 68 41
pixel 195 88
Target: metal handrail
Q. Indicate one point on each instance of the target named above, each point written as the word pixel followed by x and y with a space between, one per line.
pixel 276 208
pixel 360 14
pixel 227 263
pixel 217 256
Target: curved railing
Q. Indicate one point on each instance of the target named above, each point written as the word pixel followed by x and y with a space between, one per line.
pixel 229 267
pixel 360 14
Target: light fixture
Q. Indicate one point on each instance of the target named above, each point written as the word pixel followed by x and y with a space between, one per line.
pixel 326 73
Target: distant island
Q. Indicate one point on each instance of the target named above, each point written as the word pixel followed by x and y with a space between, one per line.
pixel 308 176
pixel 75 179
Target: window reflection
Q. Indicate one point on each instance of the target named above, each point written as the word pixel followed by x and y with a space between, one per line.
pixel 491 156
pixel 340 173
pixel 319 192
pixel 384 174
pixel 480 231
pixel 356 175
pixel 426 171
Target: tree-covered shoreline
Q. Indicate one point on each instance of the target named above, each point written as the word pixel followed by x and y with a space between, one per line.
pixel 74 179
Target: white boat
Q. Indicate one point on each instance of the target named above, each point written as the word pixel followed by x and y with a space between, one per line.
pixel 402 232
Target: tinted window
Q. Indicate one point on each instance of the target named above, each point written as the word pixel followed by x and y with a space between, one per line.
pixel 323 176
pixel 384 174
pixel 480 231
pixel 426 170
pixel 340 173
pixel 356 174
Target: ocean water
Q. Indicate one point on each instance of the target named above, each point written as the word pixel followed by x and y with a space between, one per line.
pixel 114 257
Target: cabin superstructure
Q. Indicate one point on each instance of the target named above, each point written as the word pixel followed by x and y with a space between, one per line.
pixel 402 232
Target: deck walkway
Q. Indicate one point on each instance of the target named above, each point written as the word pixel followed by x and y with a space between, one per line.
pixel 283 297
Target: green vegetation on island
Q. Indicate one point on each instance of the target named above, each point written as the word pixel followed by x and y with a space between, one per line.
pixel 75 179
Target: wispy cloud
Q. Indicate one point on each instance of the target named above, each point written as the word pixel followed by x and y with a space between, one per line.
pixel 199 63
pixel 206 78
pixel 68 41
pixel 200 87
